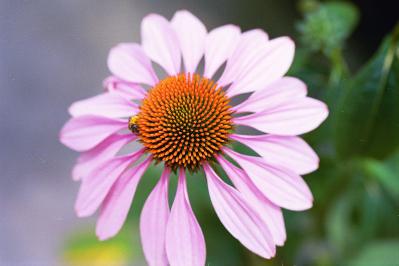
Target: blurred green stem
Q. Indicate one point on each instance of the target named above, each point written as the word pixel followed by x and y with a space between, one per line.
pixel 339 68
pixel 335 190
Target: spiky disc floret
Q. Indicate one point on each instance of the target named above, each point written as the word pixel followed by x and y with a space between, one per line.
pixel 184 120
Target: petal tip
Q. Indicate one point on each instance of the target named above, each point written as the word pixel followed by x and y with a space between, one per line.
pixel 183 12
pixel 81 213
pixel 102 233
pixel 102 236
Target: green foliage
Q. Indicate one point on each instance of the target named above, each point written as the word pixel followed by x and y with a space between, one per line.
pixel 357 186
pixel 368 113
pixel 379 253
pixel 362 210
pixel 384 175
pixel 327 25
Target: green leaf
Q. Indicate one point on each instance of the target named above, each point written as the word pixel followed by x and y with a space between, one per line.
pixel 359 213
pixel 367 117
pixel 387 178
pixel 339 224
pixel 327 25
pixel 380 253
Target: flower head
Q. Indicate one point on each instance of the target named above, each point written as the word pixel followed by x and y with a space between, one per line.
pixel 186 121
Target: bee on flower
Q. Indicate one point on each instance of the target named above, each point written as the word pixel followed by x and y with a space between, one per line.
pixel 187 121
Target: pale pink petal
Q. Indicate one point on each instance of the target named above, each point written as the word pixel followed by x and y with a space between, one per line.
pixel 90 159
pixel 85 132
pixel 270 214
pixel 160 42
pixel 272 95
pixel 286 151
pixel 291 118
pixel 116 205
pixel 281 186
pixel 153 222
pixel 244 56
pixel 191 34
pixel 219 45
pixel 270 63
pixel 129 62
pixel 128 90
pixel 105 104
pixel 185 243
pixel 95 187
pixel 238 217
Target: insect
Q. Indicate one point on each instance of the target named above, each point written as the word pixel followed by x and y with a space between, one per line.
pixel 133 124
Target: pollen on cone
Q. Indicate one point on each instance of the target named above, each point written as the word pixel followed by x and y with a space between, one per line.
pixel 184 120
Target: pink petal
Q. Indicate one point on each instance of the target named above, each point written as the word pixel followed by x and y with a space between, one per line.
pixel 128 90
pixel 281 186
pixel 95 187
pixel 90 159
pixel 290 152
pixel 270 63
pixel 237 217
pixel 160 42
pixel 116 205
pixel 153 222
pixel 270 214
pixel 191 34
pixel 274 94
pixel 106 104
pixel 85 132
pixel 246 51
pixel 185 243
pixel 291 118
pixel 219 45
pixel 129 62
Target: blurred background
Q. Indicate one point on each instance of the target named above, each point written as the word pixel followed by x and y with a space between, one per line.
pixel 53 53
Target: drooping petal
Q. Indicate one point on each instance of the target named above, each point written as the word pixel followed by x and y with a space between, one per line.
pixel 238 217
pixel 116 205
pixel 95 187
pixel 270 63
pixel 85 132
pixel 160 42
pixel 287 151
pixel 106 104
pixel 272 95
pixel 90 159
pixel 219 45
pixel 153 222
pixel 185 243
pixel 129 62
pixel 245 54
pixel 281 186
pixel 191 34
pixel 289 119
pixel 270 214
pixel 128 90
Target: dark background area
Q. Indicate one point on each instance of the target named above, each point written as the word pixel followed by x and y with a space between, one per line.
pixel 377 19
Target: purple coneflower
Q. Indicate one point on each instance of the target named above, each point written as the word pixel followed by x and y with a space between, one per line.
pixel 187 121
